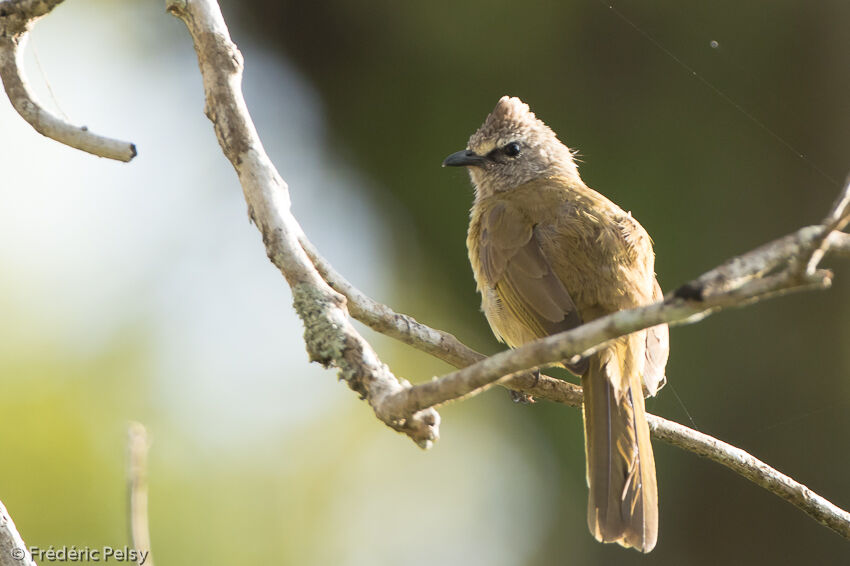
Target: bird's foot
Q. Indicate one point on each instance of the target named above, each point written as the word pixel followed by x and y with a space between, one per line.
pixel 522 398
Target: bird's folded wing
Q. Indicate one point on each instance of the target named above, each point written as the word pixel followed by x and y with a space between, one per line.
pixel 514 262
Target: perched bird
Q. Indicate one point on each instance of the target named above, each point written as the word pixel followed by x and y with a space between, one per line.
pixel 549 254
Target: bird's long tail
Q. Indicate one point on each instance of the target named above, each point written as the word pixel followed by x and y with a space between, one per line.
pixel 623 501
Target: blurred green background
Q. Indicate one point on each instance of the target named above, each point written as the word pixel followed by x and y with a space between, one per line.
pixel 141 291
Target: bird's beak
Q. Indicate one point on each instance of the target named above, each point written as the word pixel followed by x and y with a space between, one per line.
pixel 464 158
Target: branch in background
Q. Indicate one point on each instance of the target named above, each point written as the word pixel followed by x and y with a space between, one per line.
pixel 137 490
pixel 742 463
pixel 16 19
pixel 13 551
pixel 329 335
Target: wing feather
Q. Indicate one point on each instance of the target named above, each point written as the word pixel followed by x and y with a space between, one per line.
pixel 515 265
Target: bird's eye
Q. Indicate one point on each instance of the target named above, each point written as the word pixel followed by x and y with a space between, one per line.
pixel 511 150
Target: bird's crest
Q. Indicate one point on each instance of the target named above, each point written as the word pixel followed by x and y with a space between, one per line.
pixel 511 119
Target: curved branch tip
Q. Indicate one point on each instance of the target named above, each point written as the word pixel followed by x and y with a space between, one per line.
pixel 17 18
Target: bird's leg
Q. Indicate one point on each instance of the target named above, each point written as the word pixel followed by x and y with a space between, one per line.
pixel 522 398
pixel 525 398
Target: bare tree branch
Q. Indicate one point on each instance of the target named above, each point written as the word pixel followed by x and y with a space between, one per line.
pixel 16 19
pixel 740 462
pixel 839 244
pixel 383 319
pixel 837 219
pixel 329 335
pixel 13 551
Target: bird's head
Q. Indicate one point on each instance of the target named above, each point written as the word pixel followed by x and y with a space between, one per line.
pixel 511 148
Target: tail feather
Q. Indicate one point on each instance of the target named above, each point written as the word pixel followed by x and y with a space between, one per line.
pixel 623 501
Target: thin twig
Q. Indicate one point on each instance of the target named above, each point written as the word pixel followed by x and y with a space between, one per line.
pixel 383 319
pixel 839 244
pixel 742 463
pixel 137 490
pixel 16 19
pixel 837 219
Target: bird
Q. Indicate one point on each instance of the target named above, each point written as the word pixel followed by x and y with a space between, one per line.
pixel 548 254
